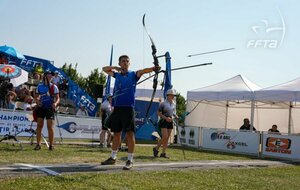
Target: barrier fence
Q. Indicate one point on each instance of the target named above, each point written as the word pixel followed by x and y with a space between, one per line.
pixel 261 144
pixel 65 126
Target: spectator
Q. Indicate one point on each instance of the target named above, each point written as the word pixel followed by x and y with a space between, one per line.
pixel 28 104
pixel 273 130
pixel 63 88
pixel 38 71
pixel 246 125
pixel 3 59
pixel 5 87
pixel 82 111
pixel 56 79
pixel 23 94
pixel 11 99
pixel 106 110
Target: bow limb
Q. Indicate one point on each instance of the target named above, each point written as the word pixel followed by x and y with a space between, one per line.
pixel 156 63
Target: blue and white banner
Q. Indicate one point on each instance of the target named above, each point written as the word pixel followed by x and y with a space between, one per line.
pixel 75 93
pixel 145 128
pixel 230 141
pixel 70 126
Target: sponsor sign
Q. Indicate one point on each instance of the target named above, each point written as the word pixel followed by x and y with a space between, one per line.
pixel 282 146
pixel 189 136
pixel 233 141
pixel 71 127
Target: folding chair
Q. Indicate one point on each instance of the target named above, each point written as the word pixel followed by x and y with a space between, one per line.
pixel 11 136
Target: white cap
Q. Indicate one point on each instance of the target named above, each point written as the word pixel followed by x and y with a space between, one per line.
pixel 171 91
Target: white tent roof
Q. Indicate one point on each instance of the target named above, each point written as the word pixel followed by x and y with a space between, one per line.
pixel 145 90
pixel 235 88
pixel 289 91
pixel 148 93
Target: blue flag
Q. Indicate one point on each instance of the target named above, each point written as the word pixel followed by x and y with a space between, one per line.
pixel 168 82
pixel 107 87
pixel 74 92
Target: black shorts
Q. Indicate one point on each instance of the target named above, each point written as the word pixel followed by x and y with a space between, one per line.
pixel 44 113
pixel 164 124
pixel 122 118
pixel 104 121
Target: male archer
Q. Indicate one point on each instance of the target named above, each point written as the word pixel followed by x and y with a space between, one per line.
pixel 123 116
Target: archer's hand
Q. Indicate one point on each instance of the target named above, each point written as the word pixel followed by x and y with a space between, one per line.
pixel 169 119
pixel 118 69
pixel 156 68
pixel 54 106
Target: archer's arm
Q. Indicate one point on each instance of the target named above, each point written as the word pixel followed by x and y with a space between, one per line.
pixel 56 100
pixel 109 70
pixel 162 116
pixel 147 70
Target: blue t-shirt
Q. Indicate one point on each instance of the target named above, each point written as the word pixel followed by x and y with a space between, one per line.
pixel 45 97
pixel 124 89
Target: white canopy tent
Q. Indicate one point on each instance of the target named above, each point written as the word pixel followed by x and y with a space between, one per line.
pixel 222 105
pixel 280 105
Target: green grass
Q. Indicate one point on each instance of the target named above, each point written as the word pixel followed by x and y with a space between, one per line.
pixel 93 154
pixel 261 178
pixel 254 178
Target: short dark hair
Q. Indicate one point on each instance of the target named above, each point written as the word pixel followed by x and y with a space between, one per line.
pixel 123 56
pixel 246 119
pixel 49 72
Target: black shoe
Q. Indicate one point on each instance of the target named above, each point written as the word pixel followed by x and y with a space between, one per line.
pixel 101 145
pixel 155 152
pixel 51 147
pixel 128 165
pixel 37 147
pixel 109 161
pixel 163 155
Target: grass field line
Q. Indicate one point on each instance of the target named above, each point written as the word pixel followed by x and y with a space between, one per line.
pixel 6 168
pixel 244 163
pixel 43 169
pixel 19 169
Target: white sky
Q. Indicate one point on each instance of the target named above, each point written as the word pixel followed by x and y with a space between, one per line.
pixel 83 31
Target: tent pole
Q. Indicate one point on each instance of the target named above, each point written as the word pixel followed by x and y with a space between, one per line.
pixel 226 116
pixel 252 115
pixel 290 118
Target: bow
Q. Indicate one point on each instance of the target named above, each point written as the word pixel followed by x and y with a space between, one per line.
pixel 156 63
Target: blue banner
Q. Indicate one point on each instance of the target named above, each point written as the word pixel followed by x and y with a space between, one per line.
pixel 145 129
pixel 168 81
pixel 75 93
pixel 107 87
